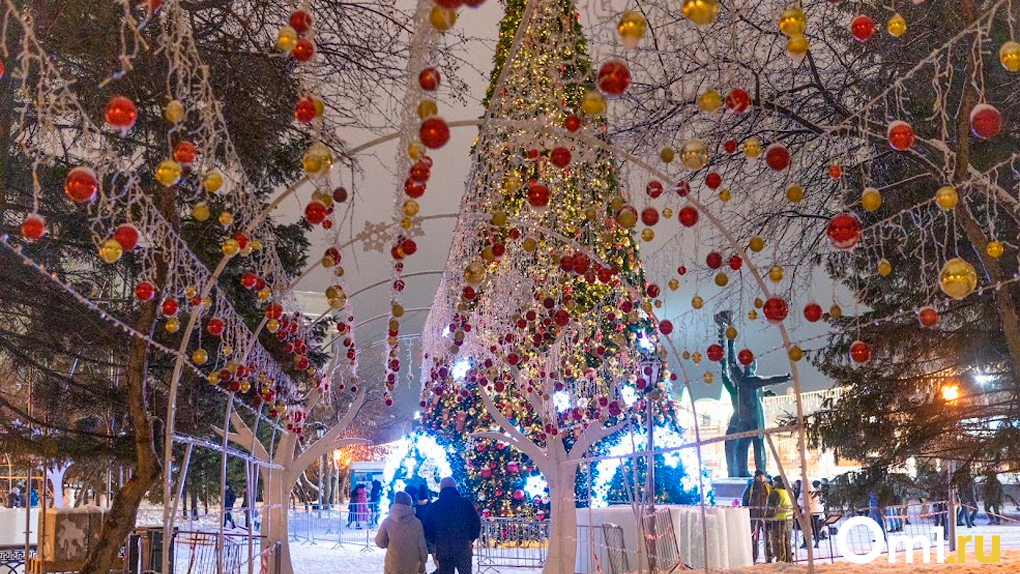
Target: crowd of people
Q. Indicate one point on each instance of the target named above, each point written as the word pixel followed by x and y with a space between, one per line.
pixel 771 502
pixel 16 497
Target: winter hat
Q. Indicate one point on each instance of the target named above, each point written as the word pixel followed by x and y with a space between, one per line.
pixel 402 498
pixel 447 482
pixel 759 472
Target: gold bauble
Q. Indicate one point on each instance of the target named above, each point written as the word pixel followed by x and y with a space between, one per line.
pixel 647 234
pixel 172 325
pixel 168 172
pixel 667 212
pixel 317 160
pixel 174 111
pixel 694 154
pixel 230 247
pixel 442 19
pixel 957 278
pixel 499 218
pixel 632 28
pixel 776 273
pixel 338 271
pixel 397 310
pixel 884 268
pixel 721 279
pixel 792 22
pixel 592 103
pixel 190 291
pixel 896 25
pixel 488 255
pixel 701 12
pixel 696 357
pixel 731 332
pixel 627 217
pixel 751 147
pixel 685 355
pixel 272 325
pixel 529 244
pixel 286 38
pixel 427 108
pixel 797 46
pixel 213 378
pixel 795 194
pixel 835 311
pixel 871 199
pixel 405 223
pixel 256 244
pixel 697 302
pixel 213 181
pixel 416 150
pixel 673 284
pixel 264 294
pixel 200 212
pixel 756 244
pixel 994 249
pixel 708 377
pixel 667 155
pixel 474 273
pixel 710 101
pixel 947 197
pixel 752 315
pixel 795 353
pixel 758 303
pixel 410 207
pixel 110 251
pixel 244 386
pixel 1009 56
pixel 226 219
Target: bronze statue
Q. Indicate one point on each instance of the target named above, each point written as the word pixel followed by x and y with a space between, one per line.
pixel 745 389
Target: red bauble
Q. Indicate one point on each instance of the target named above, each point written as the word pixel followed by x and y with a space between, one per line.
pixel 434 132
pixel 561 318
pixel 33 227
pixel 688 216
pixel 248 280
pixel 127 235
pixel 714 352
pixel 775 310
pixel 714 260
pixel 730 146
pixel 985 121
pixel 215 327
pixel 303 50
pixel 812 312
pixel 80 185
pixel 665 326
pixel 560 157
pixel 144 291
pixel 538 195
pixel 900 135
pixel 304 111
pixel 315 212
pixel 745 357
pixel 652 290
pixel 420 172
pixel 448 4
pixel 649 216
pixel 862 28
pixel 928 316
pixel 681 270
pixel 413 189
pixel 713 180
pixel 121 113
pixel 486 472
pixel 572 123
pixel 301 21
pixel 518 494
pixel 835 172
pixel 653 189
pixel 340 195
pixel 738 101
pixel 844 232
pixel 169 307
pixel 185 153
pixel 682 188
pixel 860 352
pixel 428 79
pixel 735 262
pixel 614 77
pixel 777 157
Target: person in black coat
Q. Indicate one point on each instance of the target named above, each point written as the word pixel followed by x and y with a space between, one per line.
pixel 229 498
pixel 452 524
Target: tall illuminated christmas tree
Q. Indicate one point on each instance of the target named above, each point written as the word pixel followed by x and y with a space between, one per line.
pixel 543 310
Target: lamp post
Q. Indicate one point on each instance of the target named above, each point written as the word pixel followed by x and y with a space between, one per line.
pixel 320 430
pixel 650 373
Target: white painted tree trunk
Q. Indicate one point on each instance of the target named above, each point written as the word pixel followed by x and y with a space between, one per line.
pixel 562 519
pixel 274 524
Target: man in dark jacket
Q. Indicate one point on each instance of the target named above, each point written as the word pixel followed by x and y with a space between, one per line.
pixel 756 497
pixel 452 524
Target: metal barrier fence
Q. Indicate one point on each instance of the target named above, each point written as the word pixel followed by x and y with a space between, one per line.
pixel 339 527
pixel 524 543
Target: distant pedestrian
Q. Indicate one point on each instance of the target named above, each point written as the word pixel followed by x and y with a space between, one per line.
pixel 229 498
pixel 993 497
pixel 14 498
pixel 360 506
pixel 756 497
pixel 375 497
pixel 403 537
pixel 780 510
pixel 452 524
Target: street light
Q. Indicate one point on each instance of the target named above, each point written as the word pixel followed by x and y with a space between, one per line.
pixel 320 431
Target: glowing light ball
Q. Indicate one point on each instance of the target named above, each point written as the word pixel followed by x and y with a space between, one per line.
pixel 795 194
pixel 1009 56
pixel 434 133
pixel 710 101
pixel 701 12
pixel 81 185
pixel 215 327
pixel 442 19
pixel 627 217
pixel 735 262
pixel 738 101
pixel 745 357
pixel 694 154
pixel 896 25
pixel 900 135
pixel 429 79
pixel 792 22
pixel 201 212
pixel 730 146
pixel 860 352
pixel 775 310
pixel 688 216
pixel 708 377
pixel 303 50
pixel 697 302
pixel 121 113
pixel 957 278
pixel 994 249
pixel 862 28
pixel 777 157
pixel 843 232
pixel 985 121
pixel 126 235
pixel 632 28
pixel 871 199
pixel 775 275
pixel 928 316
pixel 946 197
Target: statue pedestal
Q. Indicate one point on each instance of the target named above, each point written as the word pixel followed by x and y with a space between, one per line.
pixel 729 489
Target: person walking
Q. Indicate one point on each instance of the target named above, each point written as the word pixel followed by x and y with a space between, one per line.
pixel 756 497
pixel 229 498
pixel 374 499
pixel 809 505
pixel 993 497
pixel 14 498
pixel 360 506
pixel 403 537
pixel 968 501
pixel 452 524
pixel 780 510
